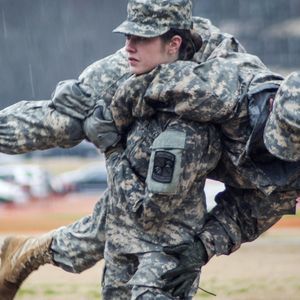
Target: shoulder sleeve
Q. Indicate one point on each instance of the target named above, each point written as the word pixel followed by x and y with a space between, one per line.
pixel 35 125
pixel 103 75
pixel 207 92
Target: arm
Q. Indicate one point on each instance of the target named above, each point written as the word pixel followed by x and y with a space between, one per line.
pixel 242 216
pixel 208 92
pixel 196 92
pixel 36 125
pixel 99 81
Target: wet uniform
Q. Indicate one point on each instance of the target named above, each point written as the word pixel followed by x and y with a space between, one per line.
pixel 80 245
pixel 232 90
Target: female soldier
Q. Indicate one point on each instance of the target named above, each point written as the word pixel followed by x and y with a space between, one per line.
pixel 166 206
pixel 57 246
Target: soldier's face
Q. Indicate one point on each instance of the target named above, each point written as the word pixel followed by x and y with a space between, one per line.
pixel 144 54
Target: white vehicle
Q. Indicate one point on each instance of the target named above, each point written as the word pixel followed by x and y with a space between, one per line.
pixel 32 178
pixel 12 193
pixel 90 178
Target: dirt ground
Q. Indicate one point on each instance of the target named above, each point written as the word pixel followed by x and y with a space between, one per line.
pixel 268 268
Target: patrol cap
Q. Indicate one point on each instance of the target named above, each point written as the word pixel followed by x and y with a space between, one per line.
pixel 282 131
pixel 151 18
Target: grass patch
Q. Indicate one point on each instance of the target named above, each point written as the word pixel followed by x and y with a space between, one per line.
pixel 93 294
pixel 27 292
pixel 51 292
pixel 62 291
pixel 239 291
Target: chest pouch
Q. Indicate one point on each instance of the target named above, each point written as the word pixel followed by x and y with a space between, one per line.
pixel 165 166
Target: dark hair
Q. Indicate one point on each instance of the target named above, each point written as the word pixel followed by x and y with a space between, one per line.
pixel 191 42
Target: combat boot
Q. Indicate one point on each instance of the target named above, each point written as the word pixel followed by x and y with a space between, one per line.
pixel 20 256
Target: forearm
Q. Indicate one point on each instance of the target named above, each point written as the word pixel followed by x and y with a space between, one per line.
pixel 35 125
pixel 242 216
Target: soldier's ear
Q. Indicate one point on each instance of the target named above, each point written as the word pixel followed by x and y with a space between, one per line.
pixel 174 44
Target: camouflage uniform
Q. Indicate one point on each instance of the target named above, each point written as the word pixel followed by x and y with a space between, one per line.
pixel 282 131
pixel 36 125
pixel 154 18
pixel 254 211
pixel 81 244
pixel 156 185
pixel 156 199
pixel 231 90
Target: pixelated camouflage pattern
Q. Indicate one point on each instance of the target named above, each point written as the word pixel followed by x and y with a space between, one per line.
pixel 215 91
pixel 80 245
pixel 207 92
pixel 214 42
pixel 196 92
pixel 36 125
pixel 147 221
pixel 242 215
pixel 128 102
pixel 73 99
pixel 128 172
pixel 119 281
pixel 150 18
pixel 282 131
pixel 102 77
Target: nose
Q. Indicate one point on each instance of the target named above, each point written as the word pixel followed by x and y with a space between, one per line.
pixel 129 45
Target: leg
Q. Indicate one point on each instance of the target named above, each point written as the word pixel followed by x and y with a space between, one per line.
pixel 118 270
pixel 147 283
pixel 80 245
pixel 74 248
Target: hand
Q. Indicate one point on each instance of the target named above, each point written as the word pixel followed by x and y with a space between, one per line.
pixel 73 98
pixel 191 257
pixel 100 128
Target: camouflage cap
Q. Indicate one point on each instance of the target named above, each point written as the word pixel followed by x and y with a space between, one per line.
pixel 282 131
pixel 150 18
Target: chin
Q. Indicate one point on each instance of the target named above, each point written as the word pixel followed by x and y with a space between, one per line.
pixel 136 71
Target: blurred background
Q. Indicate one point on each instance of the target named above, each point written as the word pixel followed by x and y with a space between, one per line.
pixel 45 41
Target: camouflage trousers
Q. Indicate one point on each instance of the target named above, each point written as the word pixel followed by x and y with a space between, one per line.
pixel 137 277
pixel 81 245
